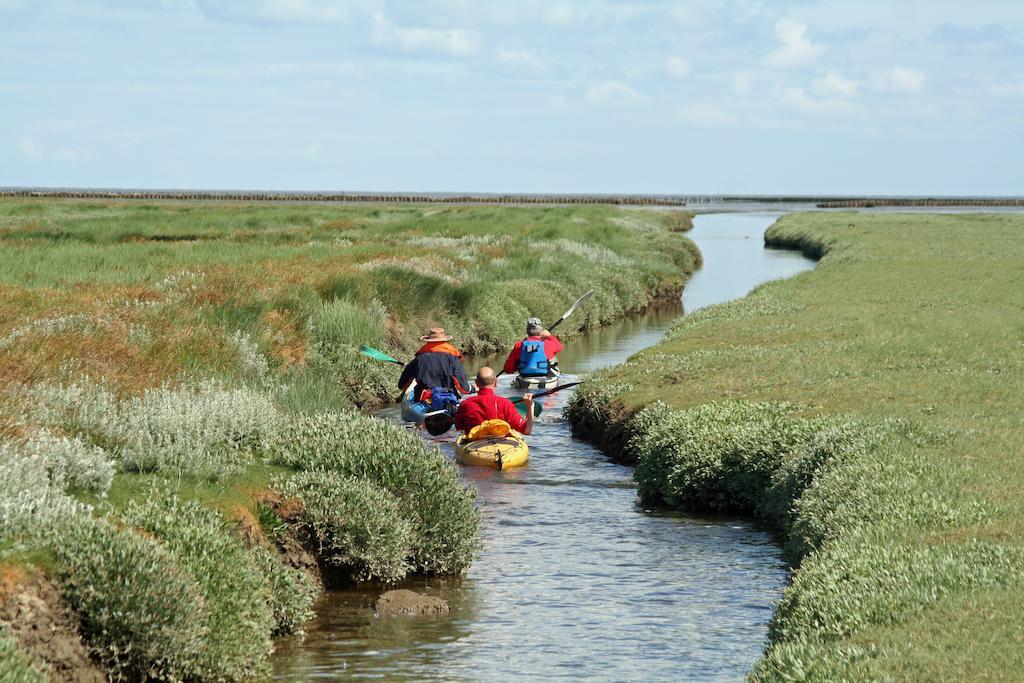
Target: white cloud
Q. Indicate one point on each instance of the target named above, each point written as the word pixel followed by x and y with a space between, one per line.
pixel 559 14
pixel 677 68
pixel 705 114
pixel 615 92
pixel 1008 88
pixel 453 42
pixel 558 102
pixel 796 49
pixel 834 85
pixel 798 99
pixel 900 80
pixel 276 11
pixel 522 60
pixel 742 83
pixel 29 149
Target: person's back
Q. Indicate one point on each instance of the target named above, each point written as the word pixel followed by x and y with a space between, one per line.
pixel 533 356
pixel 487 405
pixel 438 364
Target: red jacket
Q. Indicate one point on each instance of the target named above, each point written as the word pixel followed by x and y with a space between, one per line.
pixel 552 347
pixel 486 405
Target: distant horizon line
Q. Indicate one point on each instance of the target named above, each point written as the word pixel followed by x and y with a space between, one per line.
pixel 8 190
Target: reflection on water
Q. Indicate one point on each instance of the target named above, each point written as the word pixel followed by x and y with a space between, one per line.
pixel 575 580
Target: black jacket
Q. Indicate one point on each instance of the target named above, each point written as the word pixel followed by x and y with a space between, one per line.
pixel 435 369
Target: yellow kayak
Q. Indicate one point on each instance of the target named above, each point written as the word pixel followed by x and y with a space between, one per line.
pixel 500 452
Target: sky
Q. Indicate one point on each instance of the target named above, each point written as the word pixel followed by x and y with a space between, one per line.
pixel 702 96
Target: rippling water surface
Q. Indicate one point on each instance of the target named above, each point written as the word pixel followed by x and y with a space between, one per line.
pixel 575 579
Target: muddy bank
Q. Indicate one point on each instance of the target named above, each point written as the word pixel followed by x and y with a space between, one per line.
pixel 36 617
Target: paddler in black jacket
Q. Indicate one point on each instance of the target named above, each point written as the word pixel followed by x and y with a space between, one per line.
pixel 437 364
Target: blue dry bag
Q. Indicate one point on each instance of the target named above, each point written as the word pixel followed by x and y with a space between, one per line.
pixel 443 399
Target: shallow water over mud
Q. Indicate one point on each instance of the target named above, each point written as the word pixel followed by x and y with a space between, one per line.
pixel 575 580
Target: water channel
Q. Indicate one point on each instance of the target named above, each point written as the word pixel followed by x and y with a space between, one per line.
pixel 575 579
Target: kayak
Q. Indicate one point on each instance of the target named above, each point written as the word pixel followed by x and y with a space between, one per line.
pixel 502 452
pixel 413 411
pixel 548 381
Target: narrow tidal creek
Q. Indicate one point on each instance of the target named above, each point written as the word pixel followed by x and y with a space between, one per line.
pixel 576 580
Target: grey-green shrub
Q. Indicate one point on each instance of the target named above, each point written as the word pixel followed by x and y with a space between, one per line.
pixel 717 457
pixel 141 612
pixel 34 502
pixel 236 595
pixel 358 525
pixel 201 430
pixel 428 488
pixel 71 463
pixel 205 431
pixel 292 591
pixel 868 581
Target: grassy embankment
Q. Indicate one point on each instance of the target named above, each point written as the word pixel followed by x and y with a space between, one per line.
pixel 177 385
pixel 870 412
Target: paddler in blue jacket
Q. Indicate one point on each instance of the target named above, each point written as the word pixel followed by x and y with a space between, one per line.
pixel 532 356
pixel 438 364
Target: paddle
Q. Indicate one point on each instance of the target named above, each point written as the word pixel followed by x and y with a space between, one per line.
pixel 579 302
pixel 439 421
pixel 536 406
pixel 378 355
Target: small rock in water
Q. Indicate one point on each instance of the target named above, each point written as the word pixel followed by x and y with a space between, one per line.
pixel 407 603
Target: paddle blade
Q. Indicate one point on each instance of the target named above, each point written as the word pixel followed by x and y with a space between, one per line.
pixel 579 302
pixel 438 423
pixel 521 407
pixel 378 355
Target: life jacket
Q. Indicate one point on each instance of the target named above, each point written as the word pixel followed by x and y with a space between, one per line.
pixel 440 347
pixel 533 359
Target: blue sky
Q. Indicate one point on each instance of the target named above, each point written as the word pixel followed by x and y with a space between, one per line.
pixel 727 96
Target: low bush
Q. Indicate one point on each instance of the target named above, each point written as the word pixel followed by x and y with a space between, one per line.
pixel 718 457
pixel 236 613
pixel 71 463
pixel 204 430
pixel 141 612
pixel 427 487
pixel 292 591
pixel 358 525
pixel 34 502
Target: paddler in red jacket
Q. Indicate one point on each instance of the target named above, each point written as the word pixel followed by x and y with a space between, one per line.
pixel 532 356
pixel 487 405
pixel 437 364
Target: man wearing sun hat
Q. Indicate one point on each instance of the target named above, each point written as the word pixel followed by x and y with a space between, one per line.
pixel 438 364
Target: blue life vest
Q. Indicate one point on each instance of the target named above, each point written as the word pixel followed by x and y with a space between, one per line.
pixel 533 361
pixel 443 399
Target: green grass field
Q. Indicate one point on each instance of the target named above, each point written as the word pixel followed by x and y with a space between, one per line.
pixel 178 386
pixel 895 475
pixel 142 294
